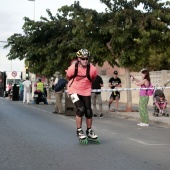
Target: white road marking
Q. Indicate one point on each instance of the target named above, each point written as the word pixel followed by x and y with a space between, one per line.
pixel 150 144
pixel 108 131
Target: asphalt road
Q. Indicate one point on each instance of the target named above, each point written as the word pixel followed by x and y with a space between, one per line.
pixel 32 138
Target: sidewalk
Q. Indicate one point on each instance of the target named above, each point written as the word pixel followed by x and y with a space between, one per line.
pixel 161 120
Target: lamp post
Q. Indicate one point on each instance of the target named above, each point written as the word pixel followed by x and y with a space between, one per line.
pixel 34 8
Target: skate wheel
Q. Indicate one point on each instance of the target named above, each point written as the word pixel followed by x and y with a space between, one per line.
pixel 83 141
pixel 95 141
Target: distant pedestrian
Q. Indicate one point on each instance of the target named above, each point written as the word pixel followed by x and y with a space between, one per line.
pixel 21 90
pixel 114 82
pixel 59 96
pixel 144 98
pixel 9 88
pixel 45 89
pixel 96 96
pixel 27 85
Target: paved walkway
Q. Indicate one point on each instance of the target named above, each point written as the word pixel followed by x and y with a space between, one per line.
pixel 161 120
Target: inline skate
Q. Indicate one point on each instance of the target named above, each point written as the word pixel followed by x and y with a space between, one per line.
pixel 92 137
pixel 82 137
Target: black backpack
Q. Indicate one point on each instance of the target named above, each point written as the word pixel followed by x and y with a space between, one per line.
pixel 76 71
pixel 60 85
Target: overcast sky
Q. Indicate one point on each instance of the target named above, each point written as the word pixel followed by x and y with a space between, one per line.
pixel 12 13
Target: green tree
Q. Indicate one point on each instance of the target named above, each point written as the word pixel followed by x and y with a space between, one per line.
pixel 139 37
pixel 42 45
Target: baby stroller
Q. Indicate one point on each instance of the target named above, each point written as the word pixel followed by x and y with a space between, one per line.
pixel 159 103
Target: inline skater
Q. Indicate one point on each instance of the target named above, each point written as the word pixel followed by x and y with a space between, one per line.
pixel 81 75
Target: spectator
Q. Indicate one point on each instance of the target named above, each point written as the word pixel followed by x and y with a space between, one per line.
pixel 45 89
pixel 27 85
pixel 114 82
pixel 144 98
pixel 59 96
pixel 96 96
pixel 21 90
pixel 9 88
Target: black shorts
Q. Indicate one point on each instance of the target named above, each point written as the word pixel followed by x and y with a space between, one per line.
pixel 84 101
pixel 115 95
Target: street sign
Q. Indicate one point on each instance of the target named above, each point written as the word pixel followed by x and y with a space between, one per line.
pixel 14 73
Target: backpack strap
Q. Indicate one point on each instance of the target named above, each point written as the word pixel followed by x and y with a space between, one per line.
pixel 88 72
pixel 75 73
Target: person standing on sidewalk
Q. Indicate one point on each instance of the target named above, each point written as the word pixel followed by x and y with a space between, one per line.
pixel 144 98
pixel 79 89
pixel 58 96
pixel 9 87
pixel 21 90
pixel 114 82
pixel 27 85
pixel 96 96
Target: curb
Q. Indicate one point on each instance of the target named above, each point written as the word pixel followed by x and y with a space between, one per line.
pixel 152 122
pixel 130 117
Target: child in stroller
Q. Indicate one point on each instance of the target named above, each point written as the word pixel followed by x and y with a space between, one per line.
pixel 160 103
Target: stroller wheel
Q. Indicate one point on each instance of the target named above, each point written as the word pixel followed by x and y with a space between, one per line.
pixel 157 115
pixel 167 115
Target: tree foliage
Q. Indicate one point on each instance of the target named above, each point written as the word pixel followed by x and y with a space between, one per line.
pixel 133 37
pixel 140 37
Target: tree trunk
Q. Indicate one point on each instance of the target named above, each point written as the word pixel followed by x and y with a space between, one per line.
pixel 129 93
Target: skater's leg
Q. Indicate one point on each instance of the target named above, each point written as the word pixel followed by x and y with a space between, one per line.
pixel 78 121
pixel 89 123
pixel 79 114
